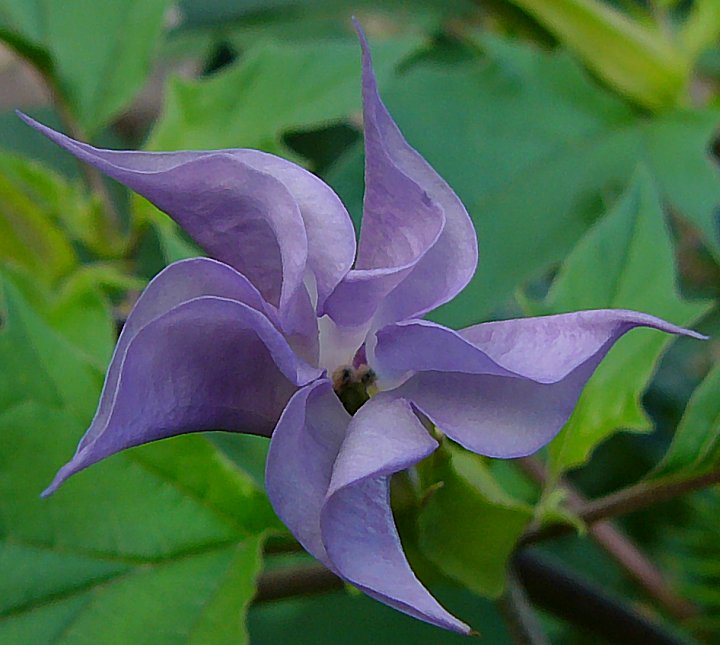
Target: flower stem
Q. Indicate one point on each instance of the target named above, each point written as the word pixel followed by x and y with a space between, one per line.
pixel 619 546
pixel 628 500
pixel 288 582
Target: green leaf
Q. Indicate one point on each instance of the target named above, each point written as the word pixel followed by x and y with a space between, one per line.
pixel 536 149
pixel 273 89
pixel 701 28
pixel 696 445
pixel 291 21
pixel 99 52
pixel 625 261
pixel 40 365
pixel 159 544
pixel 76 308
pixel 38 209
pixel 29 235
pixel 468 526
pixel 691 557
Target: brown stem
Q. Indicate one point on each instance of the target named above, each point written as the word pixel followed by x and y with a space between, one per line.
pixel 93 178
pixel 627 500
pixel 645 494
pixel 627 555
pixel 549 586
pixel 303 580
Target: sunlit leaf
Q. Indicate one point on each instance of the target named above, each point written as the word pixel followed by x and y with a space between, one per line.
pixel 641 61
pixel 273 89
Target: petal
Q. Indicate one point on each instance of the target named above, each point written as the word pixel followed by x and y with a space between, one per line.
pixel 421 345
pixel 358 529
pixel 417 240
pixel 327 478
pixel 330 232
pixel 207 364
pixel 302 451
pixel 504 389
pixel 544 349
pixel 496 416
pixel 547 348
pixel 178 283
pixel 242 216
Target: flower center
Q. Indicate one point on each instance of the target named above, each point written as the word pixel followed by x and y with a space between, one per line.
pixel 354 386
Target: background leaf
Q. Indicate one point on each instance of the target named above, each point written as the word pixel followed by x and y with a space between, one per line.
pixel 31 199
pixel 157 545
pixel 466 508
pixel 273 89
pixel 696 444
pixel 625 262
pixel 98 52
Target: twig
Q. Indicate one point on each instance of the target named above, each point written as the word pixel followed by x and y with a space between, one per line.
pixel 519 614
pixel 288 582
pixel 627 500
pixel 645 494
pixel 548 585
pixel 93 178
pixel 630 558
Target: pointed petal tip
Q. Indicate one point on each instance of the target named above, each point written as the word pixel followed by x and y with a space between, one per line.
pixel 357 26
pixel 30 121
pixel 69 469
pixel 362 37
pixel 56 137
pixel 49 491
pixel 460 627
pixel 54 485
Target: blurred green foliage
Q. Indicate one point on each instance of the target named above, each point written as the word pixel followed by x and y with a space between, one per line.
pixel 624 262
pixel 579 133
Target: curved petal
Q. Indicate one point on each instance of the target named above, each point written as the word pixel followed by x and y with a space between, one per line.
pixel 418 246
pixel 327 478
pixel 177 283
pixel 504 389
pixel 302 451
pixel 497 416
pixel 358 529
pixel 543 349
pixel 330 232
pixel 240 215
pixel 207 364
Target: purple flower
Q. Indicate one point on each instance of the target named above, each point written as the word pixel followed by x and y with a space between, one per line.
pixel 289 333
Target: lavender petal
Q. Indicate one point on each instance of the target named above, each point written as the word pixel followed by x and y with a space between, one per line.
pixel 358 530
pixel 263 215
pixel 504 389
pixel 417 247
pixel 209 363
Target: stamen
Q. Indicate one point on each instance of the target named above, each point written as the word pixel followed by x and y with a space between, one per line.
pixel 354 386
